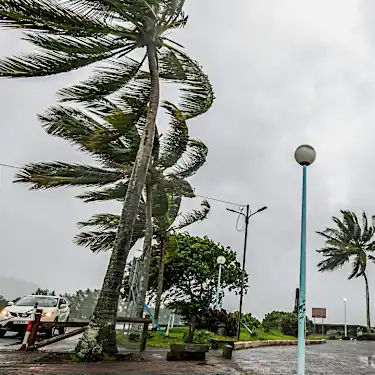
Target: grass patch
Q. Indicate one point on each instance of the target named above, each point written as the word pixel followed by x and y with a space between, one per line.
pixel 176 336
pixel 317 336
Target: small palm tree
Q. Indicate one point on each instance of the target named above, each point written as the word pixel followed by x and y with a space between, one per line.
pixel 75 33
pixel 350 241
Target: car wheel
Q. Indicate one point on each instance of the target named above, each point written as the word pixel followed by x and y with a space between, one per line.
pixel 2 333
pixel 62 330
pixel 49 333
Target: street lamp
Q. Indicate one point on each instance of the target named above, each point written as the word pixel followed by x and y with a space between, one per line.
pixel 345 327
pixel 304 155
pixel 220 261
pixel 247 217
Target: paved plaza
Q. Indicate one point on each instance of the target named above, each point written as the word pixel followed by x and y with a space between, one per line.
pixel 333 358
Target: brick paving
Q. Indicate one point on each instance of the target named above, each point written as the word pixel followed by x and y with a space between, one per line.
pixel 153 364
pixel 333 358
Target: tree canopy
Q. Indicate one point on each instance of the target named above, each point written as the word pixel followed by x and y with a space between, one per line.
pixel 191 273
pixel 351 241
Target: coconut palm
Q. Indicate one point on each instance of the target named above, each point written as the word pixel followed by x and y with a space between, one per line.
pixel 353 241
pixel 175 158
pixel 75 33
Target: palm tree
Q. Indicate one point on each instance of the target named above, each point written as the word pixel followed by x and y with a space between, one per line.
pixel 176 157
pixel 73 34
pixel 350 241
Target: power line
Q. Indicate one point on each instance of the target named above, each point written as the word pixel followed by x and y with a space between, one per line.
pixel 8 166
pixel 220 200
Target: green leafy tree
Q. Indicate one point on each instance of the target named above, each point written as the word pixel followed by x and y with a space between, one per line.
pixel 44 292
pixel 351 241
pixel 75 33
pixel 191 272
pixel 82 303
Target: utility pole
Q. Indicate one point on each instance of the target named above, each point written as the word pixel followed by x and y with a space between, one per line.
pixel 247 216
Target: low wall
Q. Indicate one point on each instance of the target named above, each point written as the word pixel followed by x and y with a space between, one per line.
pixel 258 344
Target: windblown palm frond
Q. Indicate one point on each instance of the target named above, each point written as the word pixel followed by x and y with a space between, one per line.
pixel 196 215
pixel 351 239
pixel 193 159
pixel 58 174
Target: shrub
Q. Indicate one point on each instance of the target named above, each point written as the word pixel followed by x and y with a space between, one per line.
pixel 249 320
pixel 200 337
pixel 286 322
pixel 332 334
pixel 212 319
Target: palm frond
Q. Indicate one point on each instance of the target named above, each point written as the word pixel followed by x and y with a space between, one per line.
pixel 103 222
pixel 53 17
pixel 197 93
pixel 106 80
pixel 100 139
pixel 46 63
pixel 178 186
pixel 96 241
pixel 111 193
pixel 193 159
pixel 174 142
pixel 59 174
pixel 97 45
pixel 103 238
pixel 193 217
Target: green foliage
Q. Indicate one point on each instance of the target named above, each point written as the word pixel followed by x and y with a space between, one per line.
pixel 332 334
pixel 286 322
pixel 251 322
pixel 211 320
pixel 82 303
pixel 191 272
pixel 44 292
pixel 351 240
pixel 199 337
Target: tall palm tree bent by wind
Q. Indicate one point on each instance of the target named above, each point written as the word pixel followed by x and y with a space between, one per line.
pixel 353 241
pixel 75 33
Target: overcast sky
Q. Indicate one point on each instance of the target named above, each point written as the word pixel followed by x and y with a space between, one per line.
pixel 284 73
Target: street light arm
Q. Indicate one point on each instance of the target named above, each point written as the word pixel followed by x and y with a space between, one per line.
pixel 236 212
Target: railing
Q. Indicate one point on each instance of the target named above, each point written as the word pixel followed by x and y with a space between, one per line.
pixel 38 325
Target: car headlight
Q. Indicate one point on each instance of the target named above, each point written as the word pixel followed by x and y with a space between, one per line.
pixel 48 314
pixel 5 313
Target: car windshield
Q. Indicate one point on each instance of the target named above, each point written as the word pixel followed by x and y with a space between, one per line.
pixel 42 301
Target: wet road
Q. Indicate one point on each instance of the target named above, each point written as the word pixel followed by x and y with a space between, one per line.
pixel 333 358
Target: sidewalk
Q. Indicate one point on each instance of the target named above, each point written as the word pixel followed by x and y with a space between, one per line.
pixel 154 363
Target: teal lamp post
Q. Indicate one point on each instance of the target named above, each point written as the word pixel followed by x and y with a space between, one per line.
pixel 304 155
pixel 220 261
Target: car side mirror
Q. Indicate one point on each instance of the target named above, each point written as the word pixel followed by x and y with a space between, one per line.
pixel 63 306
pixel 10 303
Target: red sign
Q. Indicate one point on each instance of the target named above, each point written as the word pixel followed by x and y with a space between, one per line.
pixel 319 312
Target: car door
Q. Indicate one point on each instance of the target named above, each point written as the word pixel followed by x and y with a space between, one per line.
pixel 63 311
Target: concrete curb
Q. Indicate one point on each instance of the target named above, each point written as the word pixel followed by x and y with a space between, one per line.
pixel 258 344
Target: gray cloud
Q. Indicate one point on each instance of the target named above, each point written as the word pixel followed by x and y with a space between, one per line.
pixel 284 73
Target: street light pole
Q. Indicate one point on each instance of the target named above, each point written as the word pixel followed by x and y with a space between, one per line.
pixel 247 217
pixel 304 155
pixel 345 326
pixel 243 271
pixel 220 260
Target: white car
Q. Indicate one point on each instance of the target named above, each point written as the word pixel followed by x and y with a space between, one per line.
pixel 16 316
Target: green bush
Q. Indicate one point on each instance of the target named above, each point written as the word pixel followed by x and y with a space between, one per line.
pixel 286 322
pixel 332 334
pixel 249 320
pixel 212 319
pixel 200 337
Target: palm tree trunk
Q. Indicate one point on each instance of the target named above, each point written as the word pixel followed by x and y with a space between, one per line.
pixel 100 337
pixel 159 291
pixel 368 319
pixel 147 245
